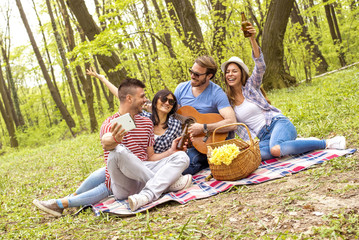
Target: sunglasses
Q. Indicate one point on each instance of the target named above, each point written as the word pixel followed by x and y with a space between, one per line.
pixel 197 75
pixel 164 99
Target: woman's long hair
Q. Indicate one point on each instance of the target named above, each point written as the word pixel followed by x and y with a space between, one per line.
pixel 154 117
pixel 229 90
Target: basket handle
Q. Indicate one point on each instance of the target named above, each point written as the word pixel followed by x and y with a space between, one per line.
pixel 231 124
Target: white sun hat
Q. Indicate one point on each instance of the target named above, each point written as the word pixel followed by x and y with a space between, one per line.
pixel 235 60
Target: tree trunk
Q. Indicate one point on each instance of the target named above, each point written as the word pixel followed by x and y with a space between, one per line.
pixel 272 45
pixel 64 61
pixel 190 25
pixel 310 45
pixel 166 35
pixel 17 115
pixel 334 30
pixel 87 85
pixel 6 112
pixel 219 34
pixel 46 47
pixel 88 25
pixel 54 93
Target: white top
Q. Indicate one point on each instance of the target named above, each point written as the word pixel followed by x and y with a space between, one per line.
pixel 251 115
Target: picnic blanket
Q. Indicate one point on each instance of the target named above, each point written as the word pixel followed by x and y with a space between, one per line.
pixel 268 170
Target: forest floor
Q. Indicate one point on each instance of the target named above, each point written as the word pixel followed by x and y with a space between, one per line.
pixel 319 203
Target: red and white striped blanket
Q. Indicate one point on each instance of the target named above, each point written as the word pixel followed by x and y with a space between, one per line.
pixel 268 170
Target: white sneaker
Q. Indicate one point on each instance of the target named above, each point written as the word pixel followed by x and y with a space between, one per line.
pixel 337 142
pixel 137 200
pixel 182 183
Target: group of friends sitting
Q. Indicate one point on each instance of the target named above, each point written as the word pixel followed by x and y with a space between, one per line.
pixel 144 163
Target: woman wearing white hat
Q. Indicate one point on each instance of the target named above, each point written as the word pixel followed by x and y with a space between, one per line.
pixel 276 133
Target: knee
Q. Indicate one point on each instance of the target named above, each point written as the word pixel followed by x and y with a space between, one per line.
pixel 182 158
pixel 275 151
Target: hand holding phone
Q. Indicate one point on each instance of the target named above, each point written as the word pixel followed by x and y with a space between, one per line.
pixel 126 122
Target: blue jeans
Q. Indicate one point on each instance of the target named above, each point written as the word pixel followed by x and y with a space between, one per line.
pixel 282 132
pixel 91 191
pixel 198 161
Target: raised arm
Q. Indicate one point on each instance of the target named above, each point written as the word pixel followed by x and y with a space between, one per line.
pixel 254 43
pixel 109 85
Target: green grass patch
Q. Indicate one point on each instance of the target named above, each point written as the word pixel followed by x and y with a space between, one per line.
pixel 328 106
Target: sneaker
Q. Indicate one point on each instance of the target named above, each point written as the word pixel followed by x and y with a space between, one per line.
pixel 337 142
pixel 49 206
pixel 137 200
pixel 182 183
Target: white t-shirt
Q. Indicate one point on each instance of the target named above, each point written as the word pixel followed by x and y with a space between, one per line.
pixel 251 115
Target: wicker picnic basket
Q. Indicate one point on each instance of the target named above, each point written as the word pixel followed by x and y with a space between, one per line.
pixel 244 164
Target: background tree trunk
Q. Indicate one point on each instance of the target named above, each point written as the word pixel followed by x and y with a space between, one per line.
pixel 54 93
pixel 310 45
pixel 17 115
pixel 272 45
pixel 61 49
pixel 88 25
pixel 6 112
pixel 334 30
pixel 190 25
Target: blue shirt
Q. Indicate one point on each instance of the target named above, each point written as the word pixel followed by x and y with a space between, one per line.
pixel 211 100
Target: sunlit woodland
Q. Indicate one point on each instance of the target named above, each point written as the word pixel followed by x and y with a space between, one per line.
pixel 46 95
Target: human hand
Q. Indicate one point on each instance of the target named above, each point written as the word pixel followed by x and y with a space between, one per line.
pixel 251 30
pixel 92 72
pixel 117 132
pixel 175 143
pixel 195 129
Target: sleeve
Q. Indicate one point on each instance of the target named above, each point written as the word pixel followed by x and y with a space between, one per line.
pixel 259 69
pixel 105 127
pixel 221 99
pixel 151 139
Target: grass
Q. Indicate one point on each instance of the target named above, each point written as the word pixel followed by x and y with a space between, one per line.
pixel 326 107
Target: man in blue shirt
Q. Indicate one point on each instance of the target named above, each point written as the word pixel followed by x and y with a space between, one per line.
pixel 206 97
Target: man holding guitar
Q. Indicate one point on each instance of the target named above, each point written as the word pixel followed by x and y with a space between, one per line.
pixel 211 109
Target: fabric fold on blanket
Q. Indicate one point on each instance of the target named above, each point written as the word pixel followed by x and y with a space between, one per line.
pixel 268 170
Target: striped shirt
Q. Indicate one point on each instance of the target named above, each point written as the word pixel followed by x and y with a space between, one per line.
pixel 136 140
pixel 252 93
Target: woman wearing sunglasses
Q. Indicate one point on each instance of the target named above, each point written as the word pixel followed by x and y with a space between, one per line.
pixel 166 129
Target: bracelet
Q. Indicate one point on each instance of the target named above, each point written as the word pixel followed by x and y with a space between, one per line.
pixel 115 139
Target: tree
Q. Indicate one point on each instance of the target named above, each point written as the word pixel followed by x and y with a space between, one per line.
pixel 54 93
pixel 272 45
pixel 193 37
pixel 334 30
pixel 88 25
pixel 6 112
pixel 310 45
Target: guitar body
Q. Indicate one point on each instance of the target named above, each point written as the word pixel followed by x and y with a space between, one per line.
pixel 198 143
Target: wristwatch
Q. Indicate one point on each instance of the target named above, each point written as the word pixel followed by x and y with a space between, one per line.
pixel 205 129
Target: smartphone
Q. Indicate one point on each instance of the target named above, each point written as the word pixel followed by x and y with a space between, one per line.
pixel 126 122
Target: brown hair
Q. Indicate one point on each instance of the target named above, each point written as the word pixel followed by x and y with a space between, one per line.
pixel 244 79
pixel 207 62
pixel 128 86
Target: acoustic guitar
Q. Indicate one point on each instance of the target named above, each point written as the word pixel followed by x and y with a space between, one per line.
pixel 200 141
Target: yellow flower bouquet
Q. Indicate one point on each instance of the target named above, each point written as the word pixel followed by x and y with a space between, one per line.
pixel 223 154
